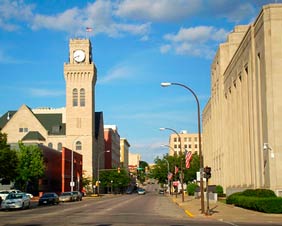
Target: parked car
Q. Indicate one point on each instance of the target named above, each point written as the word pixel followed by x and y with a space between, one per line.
pixel 77 195
pixel 16 201
pixel 18 191
pixel 49 198
pixel 141 191
pixel 67 197
pixel 4 194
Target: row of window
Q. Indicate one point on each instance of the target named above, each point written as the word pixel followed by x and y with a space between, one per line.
pixel 78 146
pixel 186 146
pixel 80 97
pixel 186 139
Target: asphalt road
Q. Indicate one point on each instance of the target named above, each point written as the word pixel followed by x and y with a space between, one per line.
pixel 116 210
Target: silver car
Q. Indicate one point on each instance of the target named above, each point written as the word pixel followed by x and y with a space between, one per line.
pixel 16 201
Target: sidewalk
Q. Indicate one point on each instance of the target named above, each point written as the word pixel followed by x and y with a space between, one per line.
pixel 224 212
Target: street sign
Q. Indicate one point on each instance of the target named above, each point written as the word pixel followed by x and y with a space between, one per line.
pixel 72 183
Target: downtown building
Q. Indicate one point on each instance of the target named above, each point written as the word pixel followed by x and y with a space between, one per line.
pixel 183 141
pixel 242 121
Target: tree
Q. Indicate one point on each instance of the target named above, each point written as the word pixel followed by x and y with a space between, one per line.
pixel 8 160
pixel 114 178
pixel 31 165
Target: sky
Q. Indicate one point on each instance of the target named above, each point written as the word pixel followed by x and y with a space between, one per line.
pixel 137 44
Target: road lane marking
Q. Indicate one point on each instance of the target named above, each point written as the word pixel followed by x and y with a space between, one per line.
pixel 189 214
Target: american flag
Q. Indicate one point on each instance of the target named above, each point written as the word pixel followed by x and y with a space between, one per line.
pixel 88 29
pixel 188 159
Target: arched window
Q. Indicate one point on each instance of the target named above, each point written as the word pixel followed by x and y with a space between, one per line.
pixel 78 146
pixel 50 145
pixel 74 97
pixel 82 97
pixel 59 147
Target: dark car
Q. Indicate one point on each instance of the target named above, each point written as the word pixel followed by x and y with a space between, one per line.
pixel 77 195
pixel 49 198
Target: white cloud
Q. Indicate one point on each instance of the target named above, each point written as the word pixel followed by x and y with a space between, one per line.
pixel 117 73
pixel 161 10
pixel 195 41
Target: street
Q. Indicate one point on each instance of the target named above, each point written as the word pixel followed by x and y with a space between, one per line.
pixel 117 210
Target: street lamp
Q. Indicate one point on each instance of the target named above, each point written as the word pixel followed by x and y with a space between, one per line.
pixel 72 182
pixel 165 145
pixel 181 177
pixel 98 164
pixel 168 180
pixel 166 84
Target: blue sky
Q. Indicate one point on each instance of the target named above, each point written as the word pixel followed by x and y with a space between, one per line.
pixel 136 46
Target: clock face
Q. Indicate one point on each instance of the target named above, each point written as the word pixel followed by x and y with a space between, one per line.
pixel 79 55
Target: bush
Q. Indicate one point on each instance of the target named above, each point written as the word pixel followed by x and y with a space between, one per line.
pixel 191 188
pixel 261 200
pixel 219 191
pixel 264 193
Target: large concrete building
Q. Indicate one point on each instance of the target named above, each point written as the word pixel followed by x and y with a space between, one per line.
pixel 187 142
pixel 124 152
pixel 77 126
pixel 242 122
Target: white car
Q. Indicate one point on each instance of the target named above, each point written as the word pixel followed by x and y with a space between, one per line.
pixel 18 191
pixel 16 201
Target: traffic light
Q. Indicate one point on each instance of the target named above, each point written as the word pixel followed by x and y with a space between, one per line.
pixel 207 171
pixel 118 169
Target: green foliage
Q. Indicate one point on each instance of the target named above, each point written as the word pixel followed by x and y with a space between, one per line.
pixel 119 180
pixel 31 166
pixel 8 160
pixel 191 188
pixel 261 200
pixel 259 193
pixel 219 190
pixel 160 170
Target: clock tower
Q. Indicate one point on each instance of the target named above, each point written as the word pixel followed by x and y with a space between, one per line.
pixel 80 75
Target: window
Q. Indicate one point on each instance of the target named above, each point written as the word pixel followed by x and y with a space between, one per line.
pixel 196 146
pixel 23 130
pixel 59 147
pixel 189 146
pixel 175 146
pixel 185 146
pixel 175 139
pixel 78 146
pixel 195 139
pixel 185 139
pixel 82 97
pixel 50 145
pixel 190 139
pixel 74 97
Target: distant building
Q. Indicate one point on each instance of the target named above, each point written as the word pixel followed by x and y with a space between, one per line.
pixel 112 144
pixel 189 142
pixel 124 153
pixel 134 160
pixel 242 122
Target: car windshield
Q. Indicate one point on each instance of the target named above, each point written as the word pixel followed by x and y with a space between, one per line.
pixel 48 195
pixel 4 192
pixel 65 194
pixel 15 196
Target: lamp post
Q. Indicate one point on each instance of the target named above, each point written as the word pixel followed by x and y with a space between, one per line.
pixel 98 177
pixel 181 174
pixel 166 84
pixel 168 180
pixel 72 182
